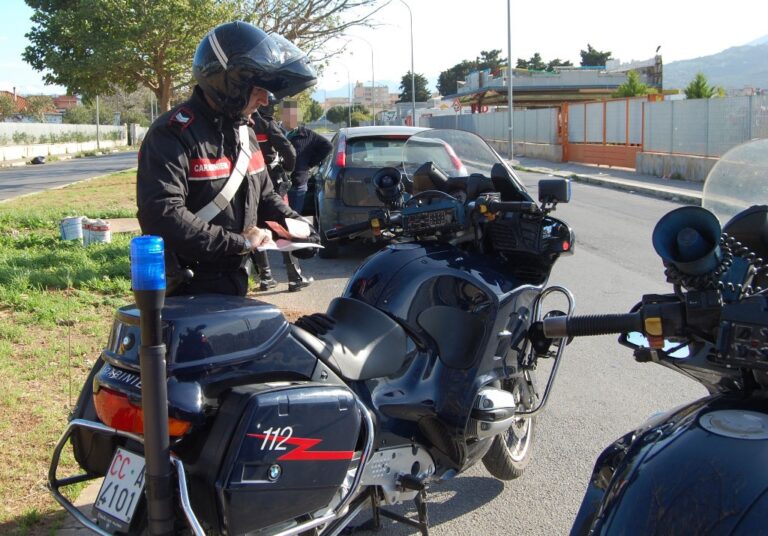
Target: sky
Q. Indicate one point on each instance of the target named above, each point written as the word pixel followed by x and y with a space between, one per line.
pixel 449 31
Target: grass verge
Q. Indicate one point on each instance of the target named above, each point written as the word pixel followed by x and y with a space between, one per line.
pixel 57 300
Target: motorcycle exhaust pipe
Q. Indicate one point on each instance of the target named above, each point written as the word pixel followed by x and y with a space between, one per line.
pixel 148 282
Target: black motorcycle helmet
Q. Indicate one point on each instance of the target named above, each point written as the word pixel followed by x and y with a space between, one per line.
pixel 235 57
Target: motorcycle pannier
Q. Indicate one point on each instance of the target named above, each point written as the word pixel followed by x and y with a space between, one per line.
pixel 276 452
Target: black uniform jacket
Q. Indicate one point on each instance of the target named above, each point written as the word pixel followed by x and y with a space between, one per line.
pixel 311 149
pixel 273 142
pixel 185 159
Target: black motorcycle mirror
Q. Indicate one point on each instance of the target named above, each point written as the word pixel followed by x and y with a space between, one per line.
pixel 553 191
pixel 148 282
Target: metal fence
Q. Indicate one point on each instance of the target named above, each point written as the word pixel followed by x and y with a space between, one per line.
pixel 534 126
pixel 701 127
pixel 614 122
pixel 704 127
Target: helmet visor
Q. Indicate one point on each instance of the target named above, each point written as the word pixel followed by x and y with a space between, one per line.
pixel 275 52
pixel 278 66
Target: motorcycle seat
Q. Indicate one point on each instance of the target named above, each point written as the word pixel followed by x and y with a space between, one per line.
pixel 363 344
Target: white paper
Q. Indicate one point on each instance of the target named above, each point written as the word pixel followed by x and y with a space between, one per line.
pixel 286 245
pixel 293 228
pixel 297 228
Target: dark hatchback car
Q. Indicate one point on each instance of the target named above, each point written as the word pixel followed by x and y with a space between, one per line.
pixel 343 191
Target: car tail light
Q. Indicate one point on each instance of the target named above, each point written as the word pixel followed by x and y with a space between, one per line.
pixel 116 410
pixel 341 153
pixel 457 164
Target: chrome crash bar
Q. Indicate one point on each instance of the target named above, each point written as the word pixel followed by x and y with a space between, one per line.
pixel 560 345
pixel 55 484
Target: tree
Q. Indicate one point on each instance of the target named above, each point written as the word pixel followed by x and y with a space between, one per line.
pixel 340 114
pixel 594 58
pixel 89 46
pixel 85 114
pixel 447 82
pixel 699 88
pixel 633 87
pixel 358 117
pixel 538 64
pixel 534 64
pixel 489 59
pixel 310 109
pixel 7 106
pixel 134 106
pixel 420 81
pixel 92 46
pixel 37 105
pixel 557 62
pixel 310 24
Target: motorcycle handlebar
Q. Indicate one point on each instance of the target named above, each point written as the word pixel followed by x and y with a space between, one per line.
pixel 579 326
pixel 513 206
pixel 342 232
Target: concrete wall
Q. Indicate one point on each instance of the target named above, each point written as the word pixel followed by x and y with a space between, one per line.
pixel 690 168
pixel 542 151
pixel 27 152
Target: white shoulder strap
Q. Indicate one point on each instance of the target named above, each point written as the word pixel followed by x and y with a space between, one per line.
pixel 225 195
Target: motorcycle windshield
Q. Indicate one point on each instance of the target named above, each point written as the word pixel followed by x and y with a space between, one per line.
pixel 456 153
pixel 738 180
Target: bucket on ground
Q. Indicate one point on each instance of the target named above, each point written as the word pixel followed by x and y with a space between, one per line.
pixel 72 228
pixel 96 232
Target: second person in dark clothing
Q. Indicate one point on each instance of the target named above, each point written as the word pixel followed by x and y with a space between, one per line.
pixel 280 158
pixel 311 149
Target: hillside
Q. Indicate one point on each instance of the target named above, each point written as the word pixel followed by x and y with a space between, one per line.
pixel 732 68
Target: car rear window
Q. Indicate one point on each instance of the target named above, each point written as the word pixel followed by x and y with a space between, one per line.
pixel 375 152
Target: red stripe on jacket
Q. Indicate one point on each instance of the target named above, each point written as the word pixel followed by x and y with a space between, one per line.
pixel 257 162
pixel 207 169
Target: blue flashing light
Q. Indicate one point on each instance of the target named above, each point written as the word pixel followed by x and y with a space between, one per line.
pixel 147 263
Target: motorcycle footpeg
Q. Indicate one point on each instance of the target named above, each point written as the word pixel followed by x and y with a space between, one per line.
pixel 411 482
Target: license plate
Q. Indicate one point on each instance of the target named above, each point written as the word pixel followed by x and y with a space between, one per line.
pixel 122 488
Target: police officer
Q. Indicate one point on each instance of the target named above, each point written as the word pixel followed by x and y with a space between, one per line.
pixel 280 157
pixel 202 182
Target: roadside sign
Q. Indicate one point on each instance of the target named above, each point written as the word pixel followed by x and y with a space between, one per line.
pixel 456 105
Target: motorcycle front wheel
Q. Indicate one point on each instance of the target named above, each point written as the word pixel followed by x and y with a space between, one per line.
pixel 510 451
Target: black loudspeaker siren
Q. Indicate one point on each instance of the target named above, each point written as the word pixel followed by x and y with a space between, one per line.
pixel 689 239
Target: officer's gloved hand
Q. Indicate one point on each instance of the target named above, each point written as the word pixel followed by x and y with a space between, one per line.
pixel 307 253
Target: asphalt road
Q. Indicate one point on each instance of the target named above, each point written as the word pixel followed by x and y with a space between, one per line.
pixel 601 393
pixel 23 180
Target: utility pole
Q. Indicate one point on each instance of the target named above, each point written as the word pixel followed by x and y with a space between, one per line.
pixel 98 146
pixel 413 72
pixel 510 100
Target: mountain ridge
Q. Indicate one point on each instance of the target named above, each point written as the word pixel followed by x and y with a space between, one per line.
pixel 733 68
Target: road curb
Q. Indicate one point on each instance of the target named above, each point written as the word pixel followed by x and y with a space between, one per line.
pixel 627 186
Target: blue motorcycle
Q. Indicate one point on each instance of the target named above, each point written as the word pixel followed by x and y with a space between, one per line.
pixel 422 368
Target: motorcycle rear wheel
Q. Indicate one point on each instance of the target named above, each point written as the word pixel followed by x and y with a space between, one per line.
pixel 510 452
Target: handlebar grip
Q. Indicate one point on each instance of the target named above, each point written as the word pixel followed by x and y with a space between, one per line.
pixel 579 326
pixel 341 232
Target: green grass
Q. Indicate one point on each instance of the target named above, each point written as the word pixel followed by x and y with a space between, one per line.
pixel 57 300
